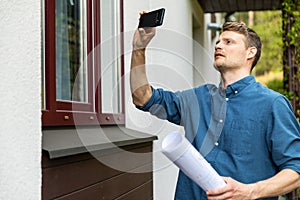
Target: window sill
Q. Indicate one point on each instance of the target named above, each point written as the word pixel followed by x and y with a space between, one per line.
pixel 68 141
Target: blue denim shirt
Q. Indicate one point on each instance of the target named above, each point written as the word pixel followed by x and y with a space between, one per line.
pixel 246 132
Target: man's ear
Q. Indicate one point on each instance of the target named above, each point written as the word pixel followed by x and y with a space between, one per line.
pixel 251 52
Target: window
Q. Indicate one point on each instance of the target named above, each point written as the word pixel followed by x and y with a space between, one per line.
pixel 83 63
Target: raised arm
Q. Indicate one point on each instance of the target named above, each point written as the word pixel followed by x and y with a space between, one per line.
pixel 139 85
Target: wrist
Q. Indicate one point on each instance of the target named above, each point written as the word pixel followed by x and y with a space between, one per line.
pixel 253 190
pixel 136 48
pixel 139 51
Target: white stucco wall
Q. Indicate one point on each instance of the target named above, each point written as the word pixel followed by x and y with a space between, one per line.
pixel 169 65
pixel 20 101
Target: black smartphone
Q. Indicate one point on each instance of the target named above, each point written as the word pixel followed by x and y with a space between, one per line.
pixel 152 19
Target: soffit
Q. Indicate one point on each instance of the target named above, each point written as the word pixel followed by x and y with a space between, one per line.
pixel 211 6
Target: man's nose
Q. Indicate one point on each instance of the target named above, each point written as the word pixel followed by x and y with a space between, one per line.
pixel 218 46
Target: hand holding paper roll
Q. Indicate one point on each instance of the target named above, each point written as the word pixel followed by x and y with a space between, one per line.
pixel 180 151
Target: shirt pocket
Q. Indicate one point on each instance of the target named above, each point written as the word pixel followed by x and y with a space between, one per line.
pixel 241 137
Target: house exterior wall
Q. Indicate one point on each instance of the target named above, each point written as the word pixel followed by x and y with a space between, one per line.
pixel 20 107
pixel 171 56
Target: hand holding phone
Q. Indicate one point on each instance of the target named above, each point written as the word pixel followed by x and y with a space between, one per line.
pixel 152 19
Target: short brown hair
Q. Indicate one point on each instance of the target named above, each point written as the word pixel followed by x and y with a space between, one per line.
pixel 253 40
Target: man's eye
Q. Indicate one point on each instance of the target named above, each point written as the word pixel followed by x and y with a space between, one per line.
pixel 228 42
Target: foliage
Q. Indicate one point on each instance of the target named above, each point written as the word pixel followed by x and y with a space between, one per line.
pixel 268 25
pixel 276 85
pixel 291 59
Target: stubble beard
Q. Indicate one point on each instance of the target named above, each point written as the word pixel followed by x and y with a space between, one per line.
pixel 219 67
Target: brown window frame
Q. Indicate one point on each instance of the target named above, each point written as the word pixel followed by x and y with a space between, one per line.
pixel 67 113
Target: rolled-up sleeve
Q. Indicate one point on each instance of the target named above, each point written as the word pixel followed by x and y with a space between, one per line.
pixel 164 105
pixel 285 137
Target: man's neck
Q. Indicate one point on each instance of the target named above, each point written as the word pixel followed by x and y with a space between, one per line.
pixel 231 77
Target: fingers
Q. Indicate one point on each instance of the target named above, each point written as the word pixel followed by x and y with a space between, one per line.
pixel 221 193
pixel 143 36
pixel 149 31
pixel 227 179
pixel 142 12
pixel 223 196
pixel 142 31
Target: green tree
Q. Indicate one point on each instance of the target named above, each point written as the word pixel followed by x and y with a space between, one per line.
pixel 268 25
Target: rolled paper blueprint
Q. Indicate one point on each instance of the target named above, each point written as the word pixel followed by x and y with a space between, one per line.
pixel 183 154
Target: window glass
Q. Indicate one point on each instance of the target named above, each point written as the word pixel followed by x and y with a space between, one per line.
pixel 71 50
pixel 72 63
pixel 110 56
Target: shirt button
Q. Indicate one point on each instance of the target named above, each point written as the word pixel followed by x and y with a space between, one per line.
pixel 221 120
pixel 227 99
pixel 216 144
pixel 236 92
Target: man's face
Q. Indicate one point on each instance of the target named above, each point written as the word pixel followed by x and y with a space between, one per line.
pixel 230 51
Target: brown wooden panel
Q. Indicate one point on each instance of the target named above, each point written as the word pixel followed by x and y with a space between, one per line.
pixel 123 183
pixel 62 180
pixel 126 184
pixel 144 192
pixel 89 193
pixel 67 178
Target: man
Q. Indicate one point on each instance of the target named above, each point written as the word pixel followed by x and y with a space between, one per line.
pixel 247 132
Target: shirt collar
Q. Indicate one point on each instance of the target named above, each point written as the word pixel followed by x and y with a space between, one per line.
pixel 238 86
